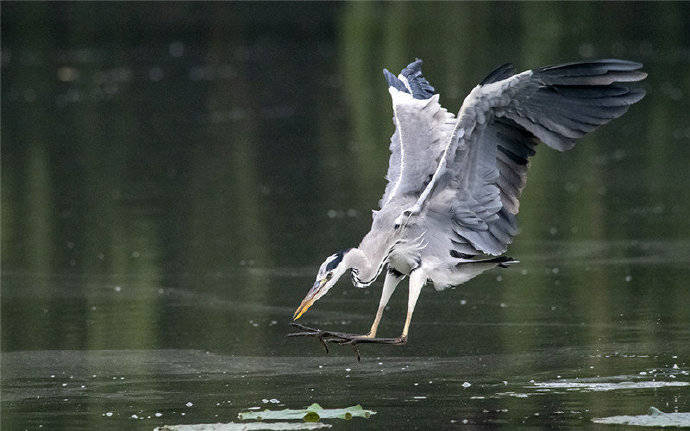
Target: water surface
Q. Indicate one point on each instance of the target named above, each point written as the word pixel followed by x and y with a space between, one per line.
pixel 173 175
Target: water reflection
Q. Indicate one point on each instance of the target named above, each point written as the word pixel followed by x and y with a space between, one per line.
pixel 172 173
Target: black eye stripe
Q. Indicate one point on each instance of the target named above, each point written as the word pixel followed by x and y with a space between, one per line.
pixel 332 264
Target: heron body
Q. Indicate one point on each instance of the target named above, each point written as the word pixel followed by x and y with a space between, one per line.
pixel 449 209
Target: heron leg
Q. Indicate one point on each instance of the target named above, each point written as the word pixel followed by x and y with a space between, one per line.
pixel 389 285
pixel 417 281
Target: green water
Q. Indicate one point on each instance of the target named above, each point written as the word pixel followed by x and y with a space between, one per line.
pixel 173 175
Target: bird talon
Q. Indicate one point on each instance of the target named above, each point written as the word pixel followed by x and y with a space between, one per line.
pixel 323 343
pixel 342 338
pixel 356 349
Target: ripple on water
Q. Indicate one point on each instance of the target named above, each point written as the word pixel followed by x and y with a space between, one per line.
pixel 605 386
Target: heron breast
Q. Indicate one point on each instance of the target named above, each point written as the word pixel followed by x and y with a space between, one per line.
pixel 404 263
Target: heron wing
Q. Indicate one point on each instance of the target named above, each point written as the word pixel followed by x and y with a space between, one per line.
pixel 422 129
pixel 474 194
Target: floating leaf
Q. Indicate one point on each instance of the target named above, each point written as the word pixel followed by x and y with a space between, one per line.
pixel 311 417
pixel 311 414
pixel 654 418
pixel 246 426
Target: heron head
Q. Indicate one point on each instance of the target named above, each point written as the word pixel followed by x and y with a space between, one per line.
pixel 330 271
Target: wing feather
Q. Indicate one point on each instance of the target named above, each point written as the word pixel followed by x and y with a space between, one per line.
pixel 483 168
pixel 422 128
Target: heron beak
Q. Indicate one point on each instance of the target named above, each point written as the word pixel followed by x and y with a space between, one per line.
pixel 303 307
pixel 309 299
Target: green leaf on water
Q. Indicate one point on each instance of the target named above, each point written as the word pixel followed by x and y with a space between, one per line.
pixel 311 417
pixel 654 418
pixel 310 414
pixel 246 426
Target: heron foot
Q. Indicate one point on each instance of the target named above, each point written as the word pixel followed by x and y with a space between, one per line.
pixel 343 338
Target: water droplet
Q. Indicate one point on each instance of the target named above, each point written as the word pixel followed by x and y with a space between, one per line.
pixel 67 74
pixel 155 74
pixel 176 49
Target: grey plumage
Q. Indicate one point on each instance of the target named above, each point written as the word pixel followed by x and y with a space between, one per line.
pixel 411 81
pixel 454 182
pixel 500 73
pixel 419 86
pixel 428 124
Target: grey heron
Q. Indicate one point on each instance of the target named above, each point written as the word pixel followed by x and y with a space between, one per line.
pixel 449 209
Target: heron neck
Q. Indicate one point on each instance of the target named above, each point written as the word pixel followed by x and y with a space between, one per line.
pixel 367 262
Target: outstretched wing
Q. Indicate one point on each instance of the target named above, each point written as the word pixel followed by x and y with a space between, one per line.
pixel 473 195
pixel 422 129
